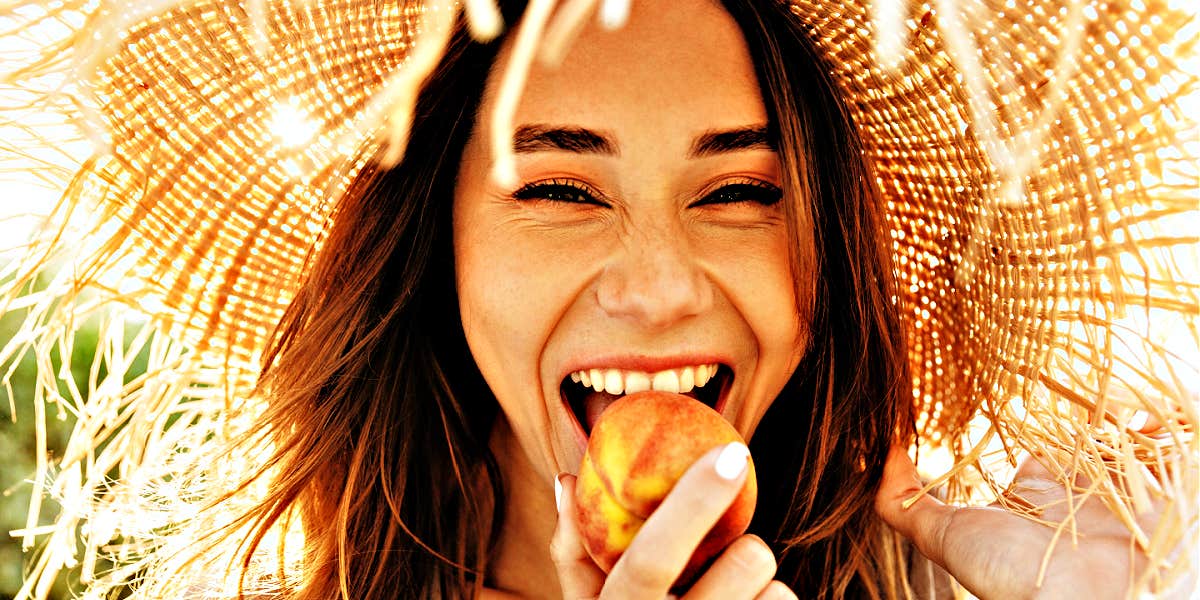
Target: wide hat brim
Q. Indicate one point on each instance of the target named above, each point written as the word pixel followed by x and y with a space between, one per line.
pixel 221 203
pixel 1040 190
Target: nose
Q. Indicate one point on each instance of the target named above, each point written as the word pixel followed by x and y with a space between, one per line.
pixel 654 280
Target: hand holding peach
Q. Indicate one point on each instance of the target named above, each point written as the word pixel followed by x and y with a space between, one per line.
pixel 639 448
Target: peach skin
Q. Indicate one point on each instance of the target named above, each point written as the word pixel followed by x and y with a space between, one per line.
pixel 638 450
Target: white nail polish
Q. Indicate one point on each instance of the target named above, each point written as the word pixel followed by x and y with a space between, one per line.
pixel 614 13
pixel 732 461
pixel 557 495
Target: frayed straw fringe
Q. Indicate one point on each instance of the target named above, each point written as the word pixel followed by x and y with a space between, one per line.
pixel 1111 410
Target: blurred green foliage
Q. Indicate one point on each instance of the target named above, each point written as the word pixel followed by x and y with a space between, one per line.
pixel 18 450
pixel 18 446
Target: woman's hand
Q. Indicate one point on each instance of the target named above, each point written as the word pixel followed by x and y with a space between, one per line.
pixel 662 547
pixel 995 553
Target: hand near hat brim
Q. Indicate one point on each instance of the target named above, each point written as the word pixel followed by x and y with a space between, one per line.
pixel 996 553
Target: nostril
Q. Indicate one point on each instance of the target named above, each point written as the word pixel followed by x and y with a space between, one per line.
pixel 656 301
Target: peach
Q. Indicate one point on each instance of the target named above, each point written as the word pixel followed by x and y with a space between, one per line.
pixel 638 449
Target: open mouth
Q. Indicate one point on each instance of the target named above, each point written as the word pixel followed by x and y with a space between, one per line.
pixel 587 393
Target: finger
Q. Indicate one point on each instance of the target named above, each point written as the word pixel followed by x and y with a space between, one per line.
pixel 661 549
pixel 963 541
pixel 578 576
pixel 776 590
pixel 1033 467
pixel 1039 468
pixel 1036 490
pixel 924 520
pixel 742 571
pixel 614 13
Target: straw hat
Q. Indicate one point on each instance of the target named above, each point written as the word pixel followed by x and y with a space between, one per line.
pixel 1038 160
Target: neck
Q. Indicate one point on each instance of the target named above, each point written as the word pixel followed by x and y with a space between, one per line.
pixel 521 563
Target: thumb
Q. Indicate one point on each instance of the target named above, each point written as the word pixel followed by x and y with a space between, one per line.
pixel 578 576
pixel 924 521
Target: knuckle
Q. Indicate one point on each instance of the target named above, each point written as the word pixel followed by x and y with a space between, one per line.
pixel 557 551
pixel 776 590
pixel 563 551
pixel 646 572
pixel 558 545
pixel 750 553
pixel 565 562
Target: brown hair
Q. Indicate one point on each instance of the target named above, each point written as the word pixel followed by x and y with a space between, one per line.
pixel 822 445
pixel 381 417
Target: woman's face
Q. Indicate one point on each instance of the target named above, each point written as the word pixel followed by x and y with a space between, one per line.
pixel 644 242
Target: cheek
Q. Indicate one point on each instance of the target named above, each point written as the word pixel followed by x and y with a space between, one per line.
pixel 498 301
pixel 756 276
pixel 778 321
pixel 756 272
pixel 512 291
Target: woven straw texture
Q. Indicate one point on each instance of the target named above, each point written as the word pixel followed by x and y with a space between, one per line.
pixel 1039 169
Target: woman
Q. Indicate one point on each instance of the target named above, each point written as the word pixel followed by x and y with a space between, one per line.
pixel 675 209
pixel 633 242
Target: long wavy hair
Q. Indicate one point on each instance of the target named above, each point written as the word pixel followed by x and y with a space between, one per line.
pixel 381 417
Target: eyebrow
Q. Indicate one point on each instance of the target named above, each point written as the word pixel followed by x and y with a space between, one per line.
pixel 537 138
pixel 717 142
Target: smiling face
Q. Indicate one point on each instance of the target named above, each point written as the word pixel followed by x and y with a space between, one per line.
pixel 644 243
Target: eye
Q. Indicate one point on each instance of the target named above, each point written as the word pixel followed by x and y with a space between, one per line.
pixel 745 190
pixel 559 190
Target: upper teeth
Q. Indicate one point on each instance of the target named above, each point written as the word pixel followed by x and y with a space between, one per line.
pixel 620 381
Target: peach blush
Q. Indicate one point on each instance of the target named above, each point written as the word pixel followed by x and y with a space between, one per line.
pixel 639 448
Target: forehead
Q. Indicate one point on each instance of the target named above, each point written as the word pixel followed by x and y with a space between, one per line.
pixel 674 66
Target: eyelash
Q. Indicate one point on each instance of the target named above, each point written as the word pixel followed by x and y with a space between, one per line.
pixel 741 190
pixel 559 190
pixel 731 192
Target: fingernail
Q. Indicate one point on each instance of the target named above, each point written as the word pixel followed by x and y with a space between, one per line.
pixel 732 461
pixel 558 493
pixel 614 13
